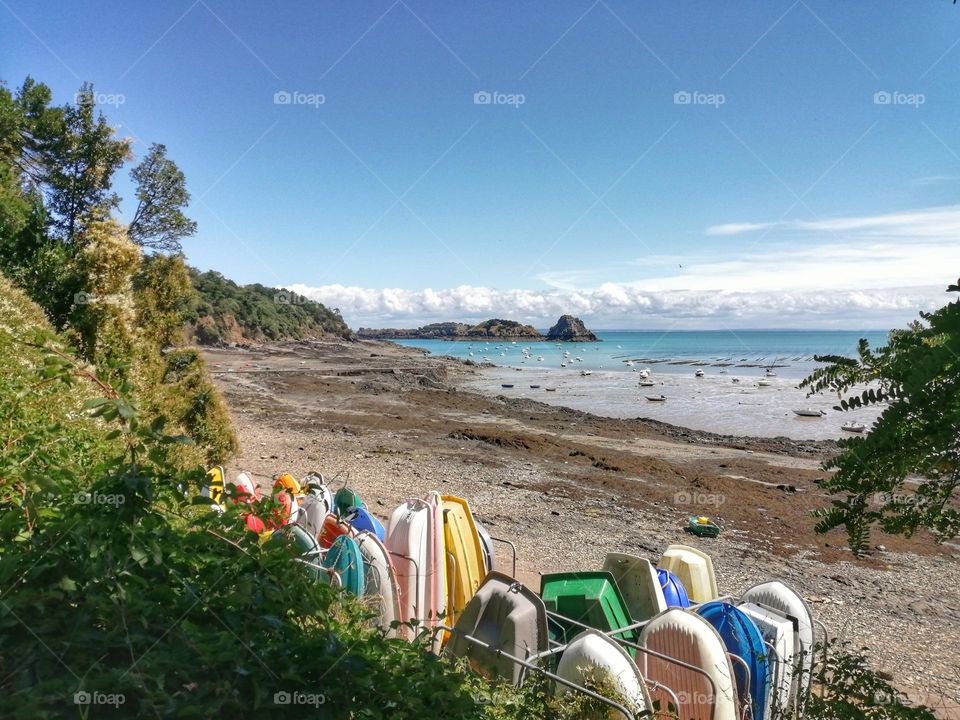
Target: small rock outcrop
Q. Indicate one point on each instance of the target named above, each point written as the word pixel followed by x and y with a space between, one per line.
pixel 497 328
pixel 571 329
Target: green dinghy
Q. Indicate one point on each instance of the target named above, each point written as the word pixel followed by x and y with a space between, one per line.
pixel 591 598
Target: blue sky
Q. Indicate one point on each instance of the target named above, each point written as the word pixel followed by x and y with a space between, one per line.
pixel 641 164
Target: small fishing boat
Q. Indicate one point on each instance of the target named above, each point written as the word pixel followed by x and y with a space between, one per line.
pixel 647 383
pixel 702 526
pixel 550 389
pixel 853 426
pixel 809 412
pixel 770 373
pixel 507 385
pixel 654 398
pixel 645 373
pixel 534 387
pixel 699 373
pixel 764 383
pixel 584 373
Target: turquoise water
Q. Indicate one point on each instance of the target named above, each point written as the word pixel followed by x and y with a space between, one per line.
pixel 744 351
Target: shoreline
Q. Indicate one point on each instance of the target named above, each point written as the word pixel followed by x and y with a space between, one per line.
pixel 566 486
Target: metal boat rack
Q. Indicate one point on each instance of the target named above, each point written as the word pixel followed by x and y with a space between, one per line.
pixel 529 665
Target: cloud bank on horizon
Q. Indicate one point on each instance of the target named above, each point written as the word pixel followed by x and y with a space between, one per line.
pixel 854 272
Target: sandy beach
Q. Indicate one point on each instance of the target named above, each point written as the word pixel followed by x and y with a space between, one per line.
pixel 566 486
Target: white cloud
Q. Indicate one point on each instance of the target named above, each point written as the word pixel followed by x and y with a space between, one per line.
pixel 937 222
pixel 616 305
pixel 873 271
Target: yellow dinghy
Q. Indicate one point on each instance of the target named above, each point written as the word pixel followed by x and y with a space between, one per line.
pixel 466 568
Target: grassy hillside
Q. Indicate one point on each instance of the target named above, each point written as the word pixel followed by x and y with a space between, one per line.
pixel 225 312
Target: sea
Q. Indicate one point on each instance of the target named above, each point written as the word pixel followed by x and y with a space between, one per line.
pixel 748 386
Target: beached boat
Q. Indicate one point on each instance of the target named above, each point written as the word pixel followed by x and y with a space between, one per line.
pixel 654 398
pixel 647 383
pixel 592 659
pixel 408 541
pixel 780 597
pixel 699 373
pixel 639 584
pixel 702 526
pixel 704 683
pixel 534 387
pixel 674 593
pixel 588 598
pixel 809 412
pixel 770 373
pixel 695 570
pixel 466 563
pixel 380 582
pixel 764 383
pixel 645 373
pixel 853 426
pixel 507 618
pixel 742 638
pixel 507 385
pixel 584 373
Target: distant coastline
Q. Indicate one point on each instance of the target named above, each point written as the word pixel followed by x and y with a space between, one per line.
pixel 567 329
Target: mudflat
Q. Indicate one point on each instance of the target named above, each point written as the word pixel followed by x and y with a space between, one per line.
pixel 566 487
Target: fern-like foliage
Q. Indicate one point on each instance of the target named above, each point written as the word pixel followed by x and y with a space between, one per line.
pixel 904 474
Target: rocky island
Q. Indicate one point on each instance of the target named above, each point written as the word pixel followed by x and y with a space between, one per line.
pixel 567 329
pixel 571 329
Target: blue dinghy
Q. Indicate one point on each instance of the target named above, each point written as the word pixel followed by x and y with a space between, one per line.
pixel 673 590
pixel 742 638
pixel 363 521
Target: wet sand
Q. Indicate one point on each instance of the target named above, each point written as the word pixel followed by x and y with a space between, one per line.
pixel 566 486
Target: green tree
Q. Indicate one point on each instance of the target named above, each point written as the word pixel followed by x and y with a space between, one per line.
pixel 904 473
pixel 76 158
pixel 159 223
